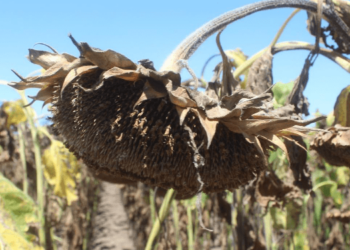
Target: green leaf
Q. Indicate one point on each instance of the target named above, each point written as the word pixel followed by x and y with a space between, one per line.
pixel 17 205
pixel 17 212
pixel 281 92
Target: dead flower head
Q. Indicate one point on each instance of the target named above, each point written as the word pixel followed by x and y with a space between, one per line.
pixel 129 121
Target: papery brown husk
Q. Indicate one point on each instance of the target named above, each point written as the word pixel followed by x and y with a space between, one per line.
pixel 147 143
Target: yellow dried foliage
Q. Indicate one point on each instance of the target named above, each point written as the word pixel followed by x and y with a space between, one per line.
pixel 61 170
pixel 15 112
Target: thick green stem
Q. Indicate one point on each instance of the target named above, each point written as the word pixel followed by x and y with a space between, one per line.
pixel 164 209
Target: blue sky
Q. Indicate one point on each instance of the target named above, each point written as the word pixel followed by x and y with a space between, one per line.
pixel 152 29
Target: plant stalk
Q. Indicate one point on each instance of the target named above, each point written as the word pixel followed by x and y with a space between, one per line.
pixel 164 209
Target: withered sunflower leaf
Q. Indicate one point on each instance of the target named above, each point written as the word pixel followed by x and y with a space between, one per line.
pixel 180 97
pixel 254 126
pixel 128 75
pixel 229 102
pixel 229 83
pixel 152 90
pixel 106 59
pixel 281 123
pixel 296 97
pixel 208 125
pixel 57 71
pixel 165 77
pixel 260 74
pixel 47 59
pixel 45 94
pixel 75 73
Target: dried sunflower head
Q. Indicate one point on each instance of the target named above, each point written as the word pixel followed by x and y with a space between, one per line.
pixel 129 122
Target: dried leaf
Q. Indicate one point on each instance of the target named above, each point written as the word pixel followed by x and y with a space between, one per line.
pixel 270 188
pixel 44 94
pixel 342 108
pixel 296 97
pixel 56 72
pixel 75 73
pixel 297 162
pixel 127 75
pixel 260 74
pixel 47 59
pixel 208 125
pixel 180 97
pixel 106 59
pixel 152 90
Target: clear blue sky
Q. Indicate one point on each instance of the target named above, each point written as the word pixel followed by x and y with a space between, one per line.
pixel 152 29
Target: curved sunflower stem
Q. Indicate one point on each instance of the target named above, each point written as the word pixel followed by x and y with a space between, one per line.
pixel 164 209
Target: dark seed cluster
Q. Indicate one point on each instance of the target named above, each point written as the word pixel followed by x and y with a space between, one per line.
pixel 118 141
